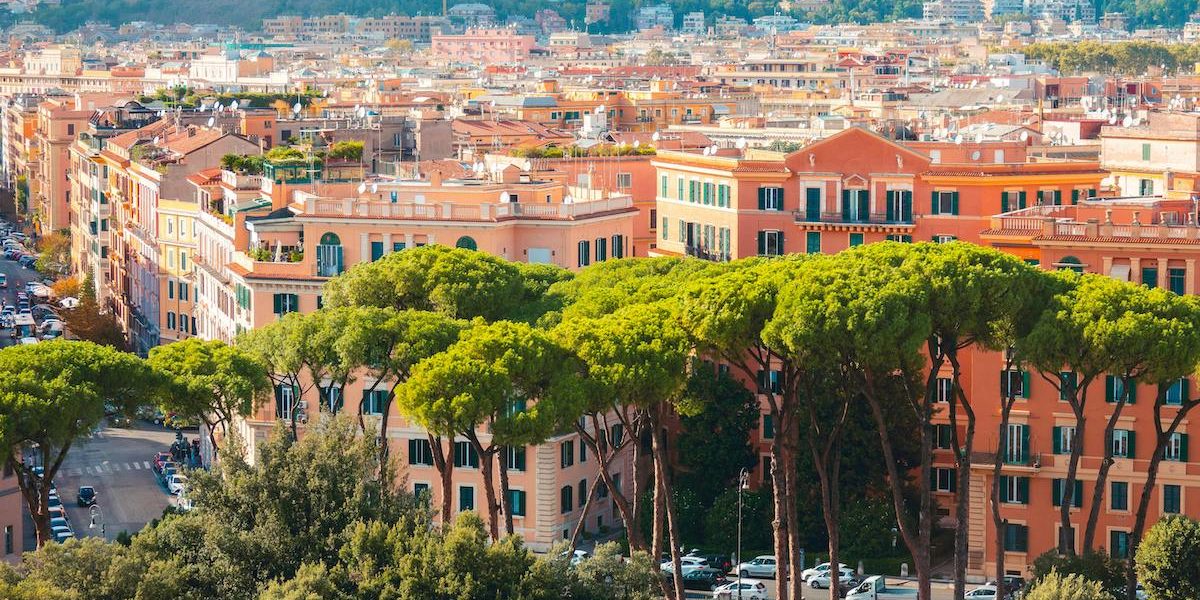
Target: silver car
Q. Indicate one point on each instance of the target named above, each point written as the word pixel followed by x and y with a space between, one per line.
pixel 761 566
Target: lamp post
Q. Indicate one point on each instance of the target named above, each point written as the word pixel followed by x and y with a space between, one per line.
pixel 742 485
pixel 97 516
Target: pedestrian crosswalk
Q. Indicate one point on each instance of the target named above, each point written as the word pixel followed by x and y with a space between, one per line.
pixel 107 467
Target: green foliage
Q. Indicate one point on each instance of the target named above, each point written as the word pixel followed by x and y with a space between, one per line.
pixel 1125 58
pixel 1092 566
pixel 1168 559
pixel 210 380
pixel 90 323
pixel 784 146
pixel 1055 586
pixel 54 252
pixel 242 163
pixel 347 150
pixel 714 444
pixel 721 522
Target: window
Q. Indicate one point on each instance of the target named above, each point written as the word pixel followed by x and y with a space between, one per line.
pixel 582 452
pixel 1016 538
pixel 374 401
pixel 664 228
pixel 566 502
pixel 183 291
pixel 516 502
pixel 285 303
pixel 770 198
pixel 1010 201
pixel 770 243
pixel 1177 280
pixel 285 399
pixel 812 204
pixel 1172 499
pixel 170 288
pixel 1146 187
pixel 769 381
pixel 945 203
pixel 1145 151
pixel 1016 444
pixel 585 253
pixel 902 238
pixel 812 242
pixel 680 186
pixel 1114 390
pixel 183 264
pixel 1067 381
pixel 899 206
pixel 856 239
pixel 618 246
pixel 243 296
pixel 943 436
pixel 1124 443
pixel 465 455
pixel 466 242
pixel 662 187
pixel 1150 276
pixel 1059 487
pixel 616 435
pixel 420 453
pixel 943 480
pixel 1118 544
pixel 1119 499
pixel 583 492
pixel 1178 392
pixel 1014 490
pixel 601 249
pixel 1176 449
pixel 329 255
pixel 515 455
pixel 466 498
pixel 567 452
pixel 8 539
pixel 170 320
pixel 768 427
pixel 856 206
pixel 1016 382
pixel 1049 197
pixel 945 389
pixel 1064 439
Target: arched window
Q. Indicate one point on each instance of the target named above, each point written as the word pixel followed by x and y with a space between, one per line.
pixel 467 242
pixel 1070 262
pixel 329 255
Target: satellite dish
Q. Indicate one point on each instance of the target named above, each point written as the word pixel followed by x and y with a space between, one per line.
pixel 1024 136
pixel 741 143
pixel 714 149
pixel 1112 120
pixel 1127 121
pixel 156 140
pixel 374 187
pixel 362 187
pixel 296 108
pixel 211 120
pixel 233 105
pixel 958 139
pixel 975 155
pixel 656 136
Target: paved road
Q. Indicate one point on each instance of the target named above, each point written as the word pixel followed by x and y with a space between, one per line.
pixel 18 276
pixel 117 462
pixel 941 591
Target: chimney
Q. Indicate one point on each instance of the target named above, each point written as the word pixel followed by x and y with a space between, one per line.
pixel 435 178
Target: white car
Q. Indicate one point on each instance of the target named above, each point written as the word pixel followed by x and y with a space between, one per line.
pixel 69 302
pixel 686 563
pixel 751 590
pixel 986 592
pixel 177 484
pixel 761 566
pixel 822 580
pixel 29 340
pixel 820 569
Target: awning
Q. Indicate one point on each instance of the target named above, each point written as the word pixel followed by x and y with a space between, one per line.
pixel 1119 272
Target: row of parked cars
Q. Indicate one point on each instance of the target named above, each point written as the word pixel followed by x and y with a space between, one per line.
pixel 60 522
pixel 14 246
pixel 169 475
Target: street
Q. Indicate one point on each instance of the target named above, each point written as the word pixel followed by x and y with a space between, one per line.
pixel 941 591
pixel 117 462
pixel 17 276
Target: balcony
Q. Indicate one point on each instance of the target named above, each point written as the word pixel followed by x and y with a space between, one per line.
pixel 705 253
pixel 447 211
pixel 842 220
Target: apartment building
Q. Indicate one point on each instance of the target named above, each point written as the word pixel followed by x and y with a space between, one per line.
pixel 58 122
pixel 1160 157
pixel 483 46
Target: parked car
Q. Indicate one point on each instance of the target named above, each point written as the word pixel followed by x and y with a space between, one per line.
pixel 821 581
pixel 820 569
pixel 686 563
pixel 986 592
pixel 750 590
pixel 160 458
pixel 119 421
pixel 27 261
pixel 877 588
pixel 87 495
pixel 69 302
pixel 705 578
pixel 761 566
pixel 177 484
pixel 716 561
pixel 1013 584
pixel 58 512
pixel 59 522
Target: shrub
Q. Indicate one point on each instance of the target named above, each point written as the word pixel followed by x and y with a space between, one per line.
pixel 1055 586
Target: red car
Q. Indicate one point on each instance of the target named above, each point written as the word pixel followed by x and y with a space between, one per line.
pixel 159 459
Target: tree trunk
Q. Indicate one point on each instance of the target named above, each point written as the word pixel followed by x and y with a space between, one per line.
pixel 488 471
pixel 963 450
pixel 795 587
pixel 830 507
pixel 998 523
pixel 445 468
pixel 505 500
pixel 1089 532
pixel 779 502
pixel 600 449
pixel 384 447
pixel 912 539
pixel 1066 533
pixel 663 488
pixel 639 480
pixel 587 507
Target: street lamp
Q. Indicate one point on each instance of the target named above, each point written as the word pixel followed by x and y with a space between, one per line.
pixel 97 516
pixel 894 531
pixel 742 485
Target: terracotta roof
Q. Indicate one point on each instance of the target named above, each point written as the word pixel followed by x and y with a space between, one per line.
pixel 130 138
pixel 206 176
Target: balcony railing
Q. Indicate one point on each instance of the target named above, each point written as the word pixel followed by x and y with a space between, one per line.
pixel 802 216
pixel 706 253
pixel 448 211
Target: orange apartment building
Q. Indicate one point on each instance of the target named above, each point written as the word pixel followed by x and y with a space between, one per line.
pixel 856 187
pixel 663 103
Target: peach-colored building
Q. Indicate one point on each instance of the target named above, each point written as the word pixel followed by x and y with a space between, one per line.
pixel 483 46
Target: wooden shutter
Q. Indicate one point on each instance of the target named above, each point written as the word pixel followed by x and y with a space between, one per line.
pixel 1057 435
pixel 864 206
pixel 1109 388
pixel 1057 492
pixel 1023 490
pixel 1131 444
pixel 1003 202
pixel 891 211
pixel 954 203
pixel 762 199
pixel 1021 199
pixel 762 243
pixel 845 205
pixel 1024 444
pixel 1183 447
pixel 1025 384
pixel 934 204
pixel 906 206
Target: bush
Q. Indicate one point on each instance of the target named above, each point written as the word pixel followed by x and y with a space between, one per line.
pixel 1168 559
pixel 1093 566
pixel 1055 586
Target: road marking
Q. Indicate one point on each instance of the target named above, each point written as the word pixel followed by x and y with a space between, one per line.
pixel 146 464
pixel 137 466
pixel 127 467
pixel 87 470
pixel 75 472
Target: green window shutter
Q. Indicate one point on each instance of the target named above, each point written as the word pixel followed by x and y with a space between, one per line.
pixel 277 303
pixel 1183 447
pixel 1003 202
pixel 1024 444
pixel 1022 538
pixel 1091 193
pixel 953 481
pixel 1074 196
pixel 864 206
pixel 1057 493
pixel 1185 393
pixel 1004 384
pixel 1057 438
pixel 1132 439
pixel 1131 397
pixel 954 203
pixel 891 212
pixel 762 198
pixel 1109 388
pixel 1077 494
pixel 1067 385
pixel 933 480
pixel 1021 199
pixel 762 243
pixel 1025 381
pixel 845 205
pixel 1057 197
pixel 1023 490
pixel 1004 488
pixel 906 206
pixel 934 203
